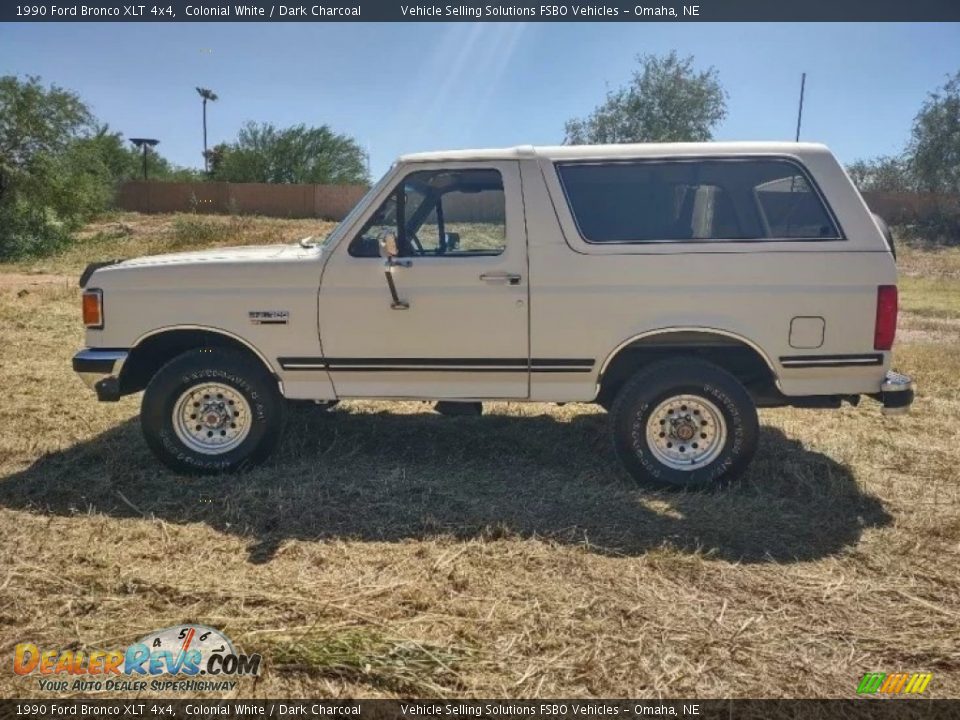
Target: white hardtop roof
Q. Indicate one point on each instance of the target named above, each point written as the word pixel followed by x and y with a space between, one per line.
pixel 585 152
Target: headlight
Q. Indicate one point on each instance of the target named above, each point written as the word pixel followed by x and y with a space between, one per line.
pixel 93 308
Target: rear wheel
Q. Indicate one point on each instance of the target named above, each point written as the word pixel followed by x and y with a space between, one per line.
pixel 684 423
pixel 212 410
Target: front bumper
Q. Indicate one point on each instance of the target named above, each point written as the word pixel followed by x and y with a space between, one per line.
pixel 896 394
pixel 100 370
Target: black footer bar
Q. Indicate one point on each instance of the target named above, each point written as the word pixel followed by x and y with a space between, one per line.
pixel 132 709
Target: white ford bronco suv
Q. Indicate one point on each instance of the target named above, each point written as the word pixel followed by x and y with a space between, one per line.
pixel 679 286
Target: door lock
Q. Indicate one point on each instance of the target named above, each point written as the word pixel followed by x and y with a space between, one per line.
pixel 501 278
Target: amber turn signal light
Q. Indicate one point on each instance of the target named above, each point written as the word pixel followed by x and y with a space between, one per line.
pixel 93 309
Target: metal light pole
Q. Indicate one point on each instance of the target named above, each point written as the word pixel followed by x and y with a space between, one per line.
pixel 145 144
pixel 206 94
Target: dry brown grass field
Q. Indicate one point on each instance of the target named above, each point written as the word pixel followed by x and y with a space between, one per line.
pixel 389 551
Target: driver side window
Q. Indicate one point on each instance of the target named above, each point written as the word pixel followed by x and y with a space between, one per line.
pixel 440 213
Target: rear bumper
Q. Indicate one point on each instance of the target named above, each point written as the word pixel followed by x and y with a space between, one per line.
pixel 100 370
pixel 896 393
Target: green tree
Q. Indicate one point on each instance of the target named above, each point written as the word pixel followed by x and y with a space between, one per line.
pixel 124 162
pixel 882 174
pixel 667 100
pixel 934 157
pixel 299 154
pixel 49 183
pixel 111 149
pixel 934 149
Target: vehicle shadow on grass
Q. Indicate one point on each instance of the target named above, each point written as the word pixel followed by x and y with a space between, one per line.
pixel 355 474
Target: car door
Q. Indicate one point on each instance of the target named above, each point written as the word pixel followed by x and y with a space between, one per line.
pixel 455 324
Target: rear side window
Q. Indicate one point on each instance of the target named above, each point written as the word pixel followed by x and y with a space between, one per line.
pixel 695 200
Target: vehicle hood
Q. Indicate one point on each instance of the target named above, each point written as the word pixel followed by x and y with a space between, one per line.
pixel 244 254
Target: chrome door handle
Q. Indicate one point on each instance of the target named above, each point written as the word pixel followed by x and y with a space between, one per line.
pixel 500 278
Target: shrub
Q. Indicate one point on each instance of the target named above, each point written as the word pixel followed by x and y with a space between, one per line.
pixel 190 229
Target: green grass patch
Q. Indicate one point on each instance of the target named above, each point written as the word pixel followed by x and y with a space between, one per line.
pixel 364 656
pixel 933 297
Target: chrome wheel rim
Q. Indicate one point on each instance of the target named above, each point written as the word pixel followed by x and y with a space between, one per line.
pixel 211 418
pixel 686 432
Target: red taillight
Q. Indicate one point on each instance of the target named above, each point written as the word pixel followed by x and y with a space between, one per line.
pixel 886 327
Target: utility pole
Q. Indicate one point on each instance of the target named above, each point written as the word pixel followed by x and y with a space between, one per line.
pixel 803 83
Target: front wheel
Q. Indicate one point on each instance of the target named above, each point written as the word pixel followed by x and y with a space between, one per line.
pixel 685 424
pixel 211 410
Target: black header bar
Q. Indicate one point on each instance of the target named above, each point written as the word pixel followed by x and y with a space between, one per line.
pixel 517 11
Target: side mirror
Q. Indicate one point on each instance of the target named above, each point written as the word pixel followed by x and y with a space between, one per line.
pixel 388 245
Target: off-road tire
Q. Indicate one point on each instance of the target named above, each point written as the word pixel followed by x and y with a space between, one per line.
pixel 649 388
pixel 228 367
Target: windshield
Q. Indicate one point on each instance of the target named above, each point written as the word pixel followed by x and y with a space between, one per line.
pixel 356 210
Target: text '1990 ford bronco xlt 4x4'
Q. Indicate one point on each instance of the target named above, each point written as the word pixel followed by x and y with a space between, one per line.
pixel 679 286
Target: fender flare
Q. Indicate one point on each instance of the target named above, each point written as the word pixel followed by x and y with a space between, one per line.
pixel 214 331
pixel 689 328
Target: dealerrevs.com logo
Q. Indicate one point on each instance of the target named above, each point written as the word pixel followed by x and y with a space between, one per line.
pixel 184 658
pixel 894 683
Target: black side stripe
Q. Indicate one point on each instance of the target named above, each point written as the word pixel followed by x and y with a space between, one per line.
pixel 430 362
pixel 540 365
pixel 562 362
pixel 831 361
pixel 425 368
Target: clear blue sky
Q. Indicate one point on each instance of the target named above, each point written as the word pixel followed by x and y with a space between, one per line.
pixel 408 87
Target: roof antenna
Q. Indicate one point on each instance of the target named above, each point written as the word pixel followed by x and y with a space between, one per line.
pixel 803 83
